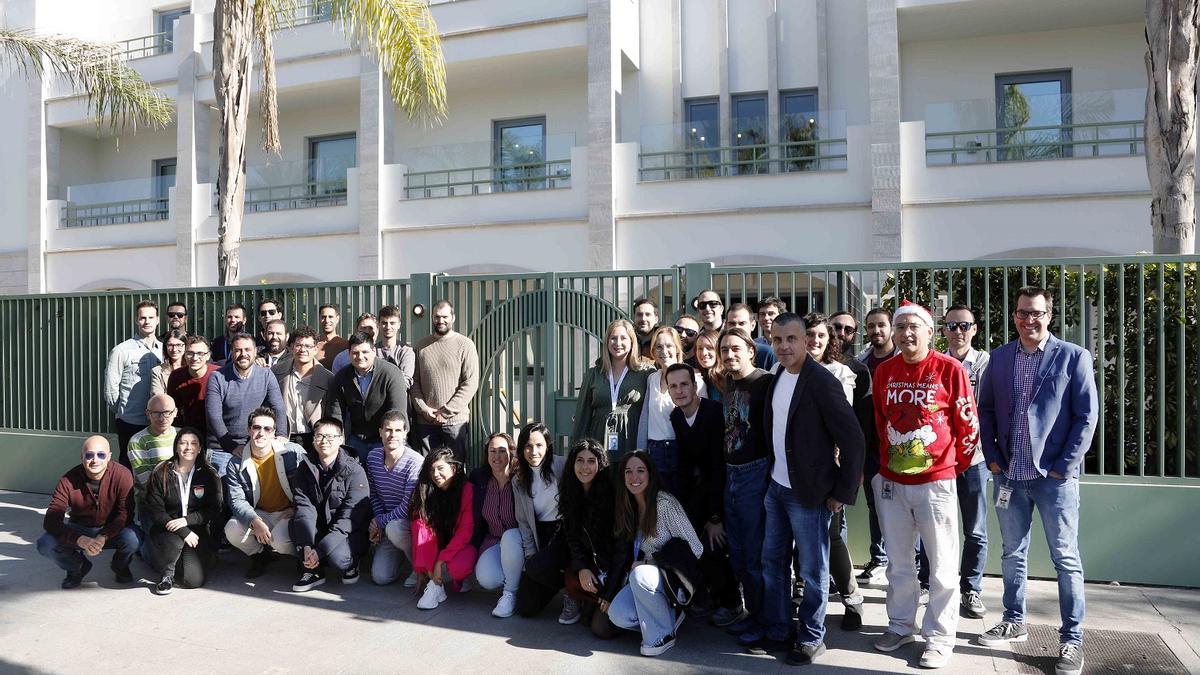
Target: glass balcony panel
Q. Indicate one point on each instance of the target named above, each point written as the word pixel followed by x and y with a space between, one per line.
pixel 521 162
pixel 138 200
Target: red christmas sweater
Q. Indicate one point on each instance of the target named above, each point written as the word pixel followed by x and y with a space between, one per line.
pixel 925 414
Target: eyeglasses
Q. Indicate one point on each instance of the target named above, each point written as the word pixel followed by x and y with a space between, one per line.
pixel 843 328
pixel 303 347
pixel 687 332
pixel 89 456
pixel 321 438
pixel 964 326
pixel 1035 315
pixel 161 413
pixel 261 427
pixel 194 355
pixel 708 304
pixel 176 315
pixel 175 345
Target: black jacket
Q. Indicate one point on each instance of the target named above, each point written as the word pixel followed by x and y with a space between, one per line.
pixel 701 462
pixel 589 538
pixel 480 477
pixel 339 507
pixel 164 503
pixel 362 416
pixel 864 408
pixel 680 568
pixel 819 421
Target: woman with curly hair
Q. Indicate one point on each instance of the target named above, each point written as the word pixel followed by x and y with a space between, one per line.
pixel 442 525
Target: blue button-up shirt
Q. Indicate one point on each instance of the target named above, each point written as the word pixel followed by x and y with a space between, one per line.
pixel 364 382
pixel 1025 370
pixel 127 378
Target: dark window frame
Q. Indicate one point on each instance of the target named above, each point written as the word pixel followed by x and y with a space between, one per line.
pixel 1063 77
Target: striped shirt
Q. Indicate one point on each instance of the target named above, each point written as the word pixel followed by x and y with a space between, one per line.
pixel 145 452
pixel 1025 370
pixel 392 489
pixel 498 512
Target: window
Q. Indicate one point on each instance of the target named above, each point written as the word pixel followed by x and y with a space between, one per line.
pixel 798 129
pixel 749 128
pixel 165 27
pixel 702 130
pixel 519 154
pixel 328 159
pixel 164 180
pixel 1033 115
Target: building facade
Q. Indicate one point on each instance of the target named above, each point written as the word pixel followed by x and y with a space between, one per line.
pixel 598 134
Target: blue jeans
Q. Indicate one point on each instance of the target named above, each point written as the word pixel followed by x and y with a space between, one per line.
pixel 665 455
pixel 502 564
pixel 70 557
pixel 787 521
pixel 972 504
pixel 643 604
pixel 878 551
pixel 745 487
pixel 219 459
pixel 1057 502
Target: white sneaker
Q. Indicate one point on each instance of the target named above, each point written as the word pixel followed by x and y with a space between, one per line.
pixel 411 581
pixel 935 656
pixel 441 592
pixel 506 605
pixel 432 597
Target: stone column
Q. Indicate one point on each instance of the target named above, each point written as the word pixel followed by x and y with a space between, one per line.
pixel 773 121
pixel 883 63
pixel 41 160
pixel 603 77
pixel 724 100
pixel 375 119
pixel 191 153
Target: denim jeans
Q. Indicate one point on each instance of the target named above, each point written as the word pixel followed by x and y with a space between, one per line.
pixel 501 564
pixel 972 504
pixel 643 604
pixel 70 557
pixel 361 448
pixel 665 455
pixel 219 459
pixel 745 487
pixel 787 521
pixel 1057 502
pixel 878 550
pixel 396 542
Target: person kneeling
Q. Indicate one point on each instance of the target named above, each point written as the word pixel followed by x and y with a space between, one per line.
pixel 586 504
pixel 654 537
pixel 333 511
pixel 442 526
pixel 183 496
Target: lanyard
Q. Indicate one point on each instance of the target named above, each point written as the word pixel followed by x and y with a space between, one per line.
pixel 615 386
pixel 185 483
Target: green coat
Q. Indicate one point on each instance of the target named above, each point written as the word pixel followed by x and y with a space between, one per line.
pixel 595 406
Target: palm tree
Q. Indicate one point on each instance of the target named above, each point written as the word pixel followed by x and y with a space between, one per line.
pixel 115 92
pixel 400 34
pixel 1172 49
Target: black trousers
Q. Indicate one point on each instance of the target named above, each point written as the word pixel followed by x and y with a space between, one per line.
pixel 542 578
pixel 173 557
pixel 125 431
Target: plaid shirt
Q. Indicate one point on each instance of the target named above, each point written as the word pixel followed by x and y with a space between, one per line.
pixel 1025 370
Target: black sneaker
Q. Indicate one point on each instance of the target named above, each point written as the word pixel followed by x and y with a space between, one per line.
pixel 1070 659
pixel 873 573
pixel 971 606
pixel 258 564
pixel 74 579
pixel 309 579
pixel 123 575
pixel 165 586
pixel 1003 633
pixel 761 643
pixel 797 592
pixel 802 655
pixel 351 575
pixel 852 619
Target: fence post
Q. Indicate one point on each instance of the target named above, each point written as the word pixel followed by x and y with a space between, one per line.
pixel 696 277
pixel 550 356
pixel 421 286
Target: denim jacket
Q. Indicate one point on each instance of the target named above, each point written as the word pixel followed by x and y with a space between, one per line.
pixel 127 379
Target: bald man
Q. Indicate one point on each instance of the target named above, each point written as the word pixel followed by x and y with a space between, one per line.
pixel 147 448
pixel 89 512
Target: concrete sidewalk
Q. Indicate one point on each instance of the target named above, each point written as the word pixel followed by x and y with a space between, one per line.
pixel 235 626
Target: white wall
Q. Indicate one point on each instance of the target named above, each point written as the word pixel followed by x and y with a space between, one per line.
pixel 797 47
pixel 846 22
pixel 152 267
pixel 332 258
pixel 88 159
pixel 542 247
pixel 748 45
pixel 701 37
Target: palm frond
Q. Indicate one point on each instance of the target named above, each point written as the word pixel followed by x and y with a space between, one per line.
pixel 265 16
pixel 403 36
pixel 115 92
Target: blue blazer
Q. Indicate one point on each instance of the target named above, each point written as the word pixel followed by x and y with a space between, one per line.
pixel 1062 411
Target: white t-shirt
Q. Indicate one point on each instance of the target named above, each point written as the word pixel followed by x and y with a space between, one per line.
pixel 658 405
pixel 781 403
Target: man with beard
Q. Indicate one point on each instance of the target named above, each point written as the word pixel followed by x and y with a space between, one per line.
pixel 362 394
pixel 275 352
pixel 233 393
pixel 235 323
pixel 446 380
pixel 303 383
pixel 711 308
pixel 329 343
pixel 177 318
pixel 366 323
pixel 645 320
pixel 391 348
pixel 741 316
pixel 128 373
pixel 879 349
pixel 688 328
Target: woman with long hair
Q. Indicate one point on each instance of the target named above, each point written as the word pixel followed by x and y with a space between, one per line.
pixel 825 347
pixel 183 497
pixel 586 503
pixel 442 525
pixel 646 519
pixel 539 478
pixel 173 345
pixel 655 434
pixel 707 348
pixel 610 398
pixel 497 537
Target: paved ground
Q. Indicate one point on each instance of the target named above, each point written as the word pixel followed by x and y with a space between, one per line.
pixel 235 626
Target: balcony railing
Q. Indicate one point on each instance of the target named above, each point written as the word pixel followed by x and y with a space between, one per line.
pixel 147 45
pixel 305 184
pixel 483 168
pixel 764 145
pixel 304 13
pixel 1089 124
pixel 140 200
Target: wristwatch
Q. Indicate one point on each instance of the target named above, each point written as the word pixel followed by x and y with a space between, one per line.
pixel 715 520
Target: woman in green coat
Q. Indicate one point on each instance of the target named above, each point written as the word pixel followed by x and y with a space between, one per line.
pixel 620 376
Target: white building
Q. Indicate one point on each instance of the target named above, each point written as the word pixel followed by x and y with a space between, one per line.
pixel 624 119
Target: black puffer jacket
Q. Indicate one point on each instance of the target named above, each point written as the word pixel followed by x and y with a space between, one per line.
pixel 589 531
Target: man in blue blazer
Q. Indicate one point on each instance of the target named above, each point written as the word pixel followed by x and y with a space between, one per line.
pixel 1037 411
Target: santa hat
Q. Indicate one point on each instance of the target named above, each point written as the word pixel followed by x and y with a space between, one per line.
pixel 913 308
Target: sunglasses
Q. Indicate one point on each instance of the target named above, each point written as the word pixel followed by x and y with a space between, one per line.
pixel 964 326
pixel 89 456
pixel 843 328
pixel 260 427
pixel 268 312
pixel 687 332
pixel 176 315
pixel 709 304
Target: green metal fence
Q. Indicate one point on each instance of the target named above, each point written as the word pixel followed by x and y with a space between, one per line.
pixel 537 333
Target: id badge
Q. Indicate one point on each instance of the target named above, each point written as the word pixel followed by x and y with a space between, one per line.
pixel 887 489
pixel 1003 497
pixel 614 441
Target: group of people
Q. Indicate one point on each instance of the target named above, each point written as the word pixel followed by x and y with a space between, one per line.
pixel 708 474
